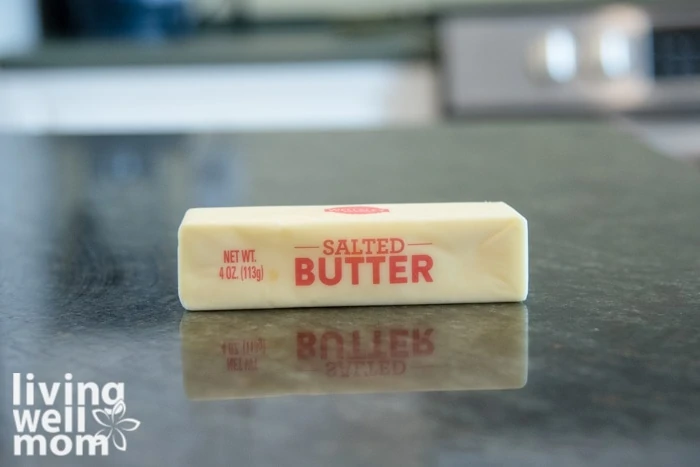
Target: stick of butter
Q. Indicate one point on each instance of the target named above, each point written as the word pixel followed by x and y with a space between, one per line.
pixel 254 354
pixel 391 254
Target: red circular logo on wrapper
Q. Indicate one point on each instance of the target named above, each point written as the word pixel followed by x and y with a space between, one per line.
pixel 356 210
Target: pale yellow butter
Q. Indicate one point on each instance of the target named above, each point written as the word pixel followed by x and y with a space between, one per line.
pixel 301 256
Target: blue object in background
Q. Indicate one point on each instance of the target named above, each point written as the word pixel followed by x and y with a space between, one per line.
pixel 136 19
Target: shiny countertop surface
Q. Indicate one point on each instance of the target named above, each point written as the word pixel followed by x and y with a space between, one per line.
pixel 601 364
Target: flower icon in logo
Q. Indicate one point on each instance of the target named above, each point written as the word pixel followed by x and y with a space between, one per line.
pixel 114 423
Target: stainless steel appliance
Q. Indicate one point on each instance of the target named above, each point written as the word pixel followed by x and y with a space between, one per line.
pixel 615 58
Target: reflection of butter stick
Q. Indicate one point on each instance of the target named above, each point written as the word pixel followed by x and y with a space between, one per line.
pixel 423 348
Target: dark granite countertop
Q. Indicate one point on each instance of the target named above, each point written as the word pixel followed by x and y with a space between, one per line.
pixel 601 365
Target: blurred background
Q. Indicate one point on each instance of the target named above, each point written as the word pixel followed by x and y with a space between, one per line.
pixel 164 66
pixel 144 108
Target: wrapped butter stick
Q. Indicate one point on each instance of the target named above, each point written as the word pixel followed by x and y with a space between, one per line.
pixel 303 256
pixel 354 350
